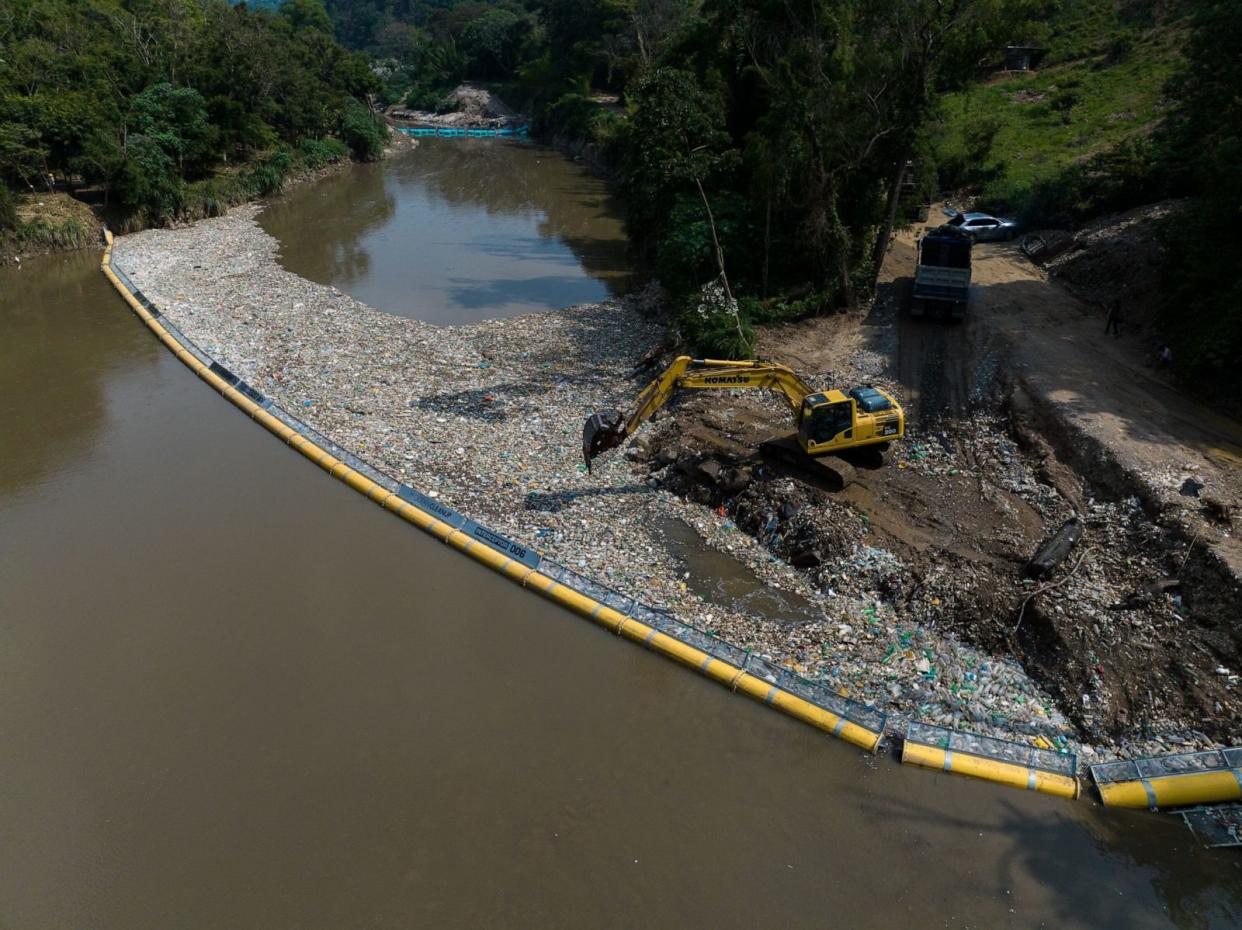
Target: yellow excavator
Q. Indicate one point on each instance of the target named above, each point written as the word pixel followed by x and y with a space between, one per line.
pixel 829 422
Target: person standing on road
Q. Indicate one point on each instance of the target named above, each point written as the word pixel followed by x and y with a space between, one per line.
pixel 1165 358
pixel 1113 323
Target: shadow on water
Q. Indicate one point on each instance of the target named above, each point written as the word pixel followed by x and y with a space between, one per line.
pixel 1135 853
pixel 459 230
pixel 480 294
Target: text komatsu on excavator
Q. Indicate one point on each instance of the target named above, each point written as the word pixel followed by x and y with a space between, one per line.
pixel 829 422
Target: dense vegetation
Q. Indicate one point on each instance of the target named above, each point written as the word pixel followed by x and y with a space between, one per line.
pixel 1066 141
pixel 1137 101
pixel 174 107
pixel 762 144
pixel 1197 153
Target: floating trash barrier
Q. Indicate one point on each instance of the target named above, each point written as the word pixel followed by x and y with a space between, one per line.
pixel 1171 781
pixel 998 760
pixel 519 132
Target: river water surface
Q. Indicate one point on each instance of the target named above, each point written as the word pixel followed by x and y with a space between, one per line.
pixel 233 693
pixel 459 230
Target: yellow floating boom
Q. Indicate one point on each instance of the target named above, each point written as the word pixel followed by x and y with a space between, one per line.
pixel 1001 761
pixel 1172 781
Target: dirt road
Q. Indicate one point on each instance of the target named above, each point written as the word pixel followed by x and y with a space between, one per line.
pixel 1109 389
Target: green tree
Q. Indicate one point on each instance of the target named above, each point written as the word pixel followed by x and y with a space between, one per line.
pixel 493 39
pixel 676 134
pixel 1202 148
pixel 175 118
pixel 364 134
pixel 148 179
pixel 306 14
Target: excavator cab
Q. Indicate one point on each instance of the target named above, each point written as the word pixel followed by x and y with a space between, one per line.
pixel 832 420
pixel 822 419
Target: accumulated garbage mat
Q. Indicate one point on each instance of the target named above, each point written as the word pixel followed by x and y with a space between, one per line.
pixel 1216 826
pixel 989 747
pixel 1186 763
pixel 817 693
pixel 385 481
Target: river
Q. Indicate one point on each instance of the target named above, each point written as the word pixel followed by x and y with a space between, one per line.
pixel 459 230
pixel 233 693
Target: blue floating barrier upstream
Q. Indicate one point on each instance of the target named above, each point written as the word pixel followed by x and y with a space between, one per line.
pixel 520 132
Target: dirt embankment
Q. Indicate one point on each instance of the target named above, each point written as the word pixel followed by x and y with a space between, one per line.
pixel 49 222
pixel 469 106
pixel 1024 417
pixel 1116 260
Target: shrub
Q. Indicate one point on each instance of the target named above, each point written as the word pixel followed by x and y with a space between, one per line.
pixel 148 181
pixel 1121 45
pixel 67 234
pixel 211 196
pixel 8 208
pixel 365 135
pixel 784 310
pixel 712 327
pixel 966 162
pixel 318 153
pixel 422 97
pixel 269 175
pixel 1116 179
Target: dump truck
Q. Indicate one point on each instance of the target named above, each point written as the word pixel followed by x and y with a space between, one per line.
pixel 829 422
pixel 942 277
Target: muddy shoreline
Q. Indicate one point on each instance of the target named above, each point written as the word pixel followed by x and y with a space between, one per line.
pixel 1136 635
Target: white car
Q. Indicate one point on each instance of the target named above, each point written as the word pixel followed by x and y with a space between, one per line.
pixel 983 227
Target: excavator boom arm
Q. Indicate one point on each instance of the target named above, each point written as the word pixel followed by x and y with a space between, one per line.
pixel 609 428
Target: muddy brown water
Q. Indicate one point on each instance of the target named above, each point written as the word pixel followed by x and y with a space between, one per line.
pixel 725 582
pixel 233 693
pixel 459 230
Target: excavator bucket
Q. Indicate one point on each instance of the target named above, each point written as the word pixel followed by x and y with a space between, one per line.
pixel 601 432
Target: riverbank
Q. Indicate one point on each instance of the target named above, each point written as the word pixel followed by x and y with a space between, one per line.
pixel 488 417
pixel 59 222
pixel 469 106
pixel 282 659
pixel 46 223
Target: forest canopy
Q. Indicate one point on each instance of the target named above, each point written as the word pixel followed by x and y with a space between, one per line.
pixel 776 136
pixel 149 98
pixel 764 146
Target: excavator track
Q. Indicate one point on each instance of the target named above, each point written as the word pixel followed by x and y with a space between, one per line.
pixel 831 472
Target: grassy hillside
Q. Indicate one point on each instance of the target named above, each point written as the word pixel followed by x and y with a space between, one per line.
pixel 1101 85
